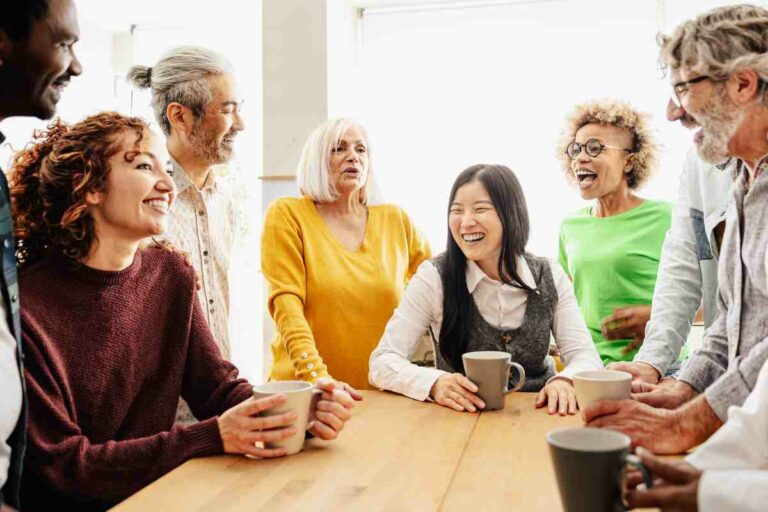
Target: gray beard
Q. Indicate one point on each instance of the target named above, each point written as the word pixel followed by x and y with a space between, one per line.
pixel 718 128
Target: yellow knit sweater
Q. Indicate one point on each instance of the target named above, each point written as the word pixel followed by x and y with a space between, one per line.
pixel 330 305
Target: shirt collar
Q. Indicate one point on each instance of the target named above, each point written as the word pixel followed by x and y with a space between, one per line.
pixel 475 275
pixel 183 182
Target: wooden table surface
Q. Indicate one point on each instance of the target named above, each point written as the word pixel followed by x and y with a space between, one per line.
pixel 395 454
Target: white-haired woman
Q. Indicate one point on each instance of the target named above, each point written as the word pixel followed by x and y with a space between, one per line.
pixel 611 249
pixel 335 263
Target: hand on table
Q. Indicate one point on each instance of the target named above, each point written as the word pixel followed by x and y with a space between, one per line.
pixel 456 391
pixel 675 486
pixel 334 408
pixel 560 396
pixel 240 429
pixel 655 429
pixel 641 372
pixel 665 396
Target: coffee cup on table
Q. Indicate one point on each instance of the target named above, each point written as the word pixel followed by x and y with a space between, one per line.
pixel 489 370
pixel 302 399
pixel 590 466
pixel 595 385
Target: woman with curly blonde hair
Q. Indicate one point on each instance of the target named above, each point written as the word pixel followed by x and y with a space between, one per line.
pixel 114 334
pixel 611 249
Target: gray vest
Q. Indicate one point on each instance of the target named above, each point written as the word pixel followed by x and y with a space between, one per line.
pixel 529 343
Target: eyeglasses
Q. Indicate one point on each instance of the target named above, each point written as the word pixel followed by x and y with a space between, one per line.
pixel 592 147
pixel 680 88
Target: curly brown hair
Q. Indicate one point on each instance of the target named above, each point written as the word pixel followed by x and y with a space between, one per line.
pixel 49 181
pixel 620 114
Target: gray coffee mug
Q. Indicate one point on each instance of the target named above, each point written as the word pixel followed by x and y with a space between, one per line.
pixel 489 370
pixel 589 464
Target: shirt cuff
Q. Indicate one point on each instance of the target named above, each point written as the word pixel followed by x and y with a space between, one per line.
pixel 700 372
pixel 728 390
pixel 427 379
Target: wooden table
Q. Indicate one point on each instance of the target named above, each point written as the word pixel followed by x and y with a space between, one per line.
pixel 395 454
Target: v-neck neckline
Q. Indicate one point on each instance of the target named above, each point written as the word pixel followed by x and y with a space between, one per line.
pixel 335 240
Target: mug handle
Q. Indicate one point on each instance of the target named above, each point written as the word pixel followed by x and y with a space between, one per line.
pixel 634 460
pixel 521 371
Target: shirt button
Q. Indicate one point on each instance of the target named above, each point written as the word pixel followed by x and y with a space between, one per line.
pixel 14 298
pixel 310 366
pixel 6 243
pixel 205 261
pixel 205 253
pixel 303 355
pixel 313 374
pixel 213 311
pixel 210 301
pixel 201 212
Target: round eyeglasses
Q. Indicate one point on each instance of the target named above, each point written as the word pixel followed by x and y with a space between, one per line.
pixel 592 147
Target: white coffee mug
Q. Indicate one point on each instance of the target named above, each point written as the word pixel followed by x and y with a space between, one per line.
pixel 595 385
pixel 302 399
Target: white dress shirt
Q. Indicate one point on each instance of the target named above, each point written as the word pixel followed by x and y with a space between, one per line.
pixel 10 387
pixel 735 458
pixel 501 305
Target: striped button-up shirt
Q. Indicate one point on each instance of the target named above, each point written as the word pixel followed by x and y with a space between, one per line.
pixel 204 223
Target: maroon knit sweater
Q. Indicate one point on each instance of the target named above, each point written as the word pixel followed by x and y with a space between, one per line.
pixel 107 356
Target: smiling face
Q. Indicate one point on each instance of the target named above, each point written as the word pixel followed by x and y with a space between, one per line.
pixel 605 173
pixel 349 162
pixel 706 106
pixel 139 191
pixel 213 135
pixel 475 226
pixel 36 70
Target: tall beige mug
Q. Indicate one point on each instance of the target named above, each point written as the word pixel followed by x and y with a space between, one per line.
pixel 489 370
pixel 595 385
pixel 302 398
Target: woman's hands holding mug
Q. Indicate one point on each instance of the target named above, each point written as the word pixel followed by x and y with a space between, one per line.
pixel 334 408
pixel 560 396
pixel 456 391
pixel 240 429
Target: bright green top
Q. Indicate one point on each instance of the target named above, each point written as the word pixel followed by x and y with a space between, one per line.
pixel 613 262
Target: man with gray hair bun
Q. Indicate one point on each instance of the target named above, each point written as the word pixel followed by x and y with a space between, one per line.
pixel 719 69
pixel 197 105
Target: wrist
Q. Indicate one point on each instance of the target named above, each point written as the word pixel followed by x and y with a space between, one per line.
pixel 685 390
pixel 655 370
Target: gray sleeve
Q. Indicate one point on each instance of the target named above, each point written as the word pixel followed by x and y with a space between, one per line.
pixel 710 362
pixel 736 384
pixel 678 286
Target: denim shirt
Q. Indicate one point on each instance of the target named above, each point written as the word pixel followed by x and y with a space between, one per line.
pixel 10 289
pixel 688 269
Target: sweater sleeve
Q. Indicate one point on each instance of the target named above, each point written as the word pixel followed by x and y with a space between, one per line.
pixel 108 470
pixel 571 334
pixel 210 385
pixel 283 265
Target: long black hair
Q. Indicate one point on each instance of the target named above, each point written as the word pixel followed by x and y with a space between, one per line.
pixel 509 202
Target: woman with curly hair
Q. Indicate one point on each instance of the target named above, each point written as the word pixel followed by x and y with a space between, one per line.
pixel 611 249
pixel 114 334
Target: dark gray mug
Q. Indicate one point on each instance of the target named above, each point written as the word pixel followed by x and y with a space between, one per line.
pixel 489 370
pixel 589 464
